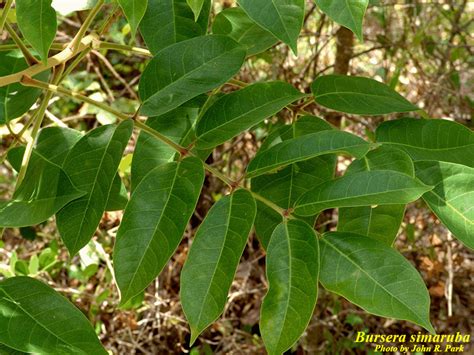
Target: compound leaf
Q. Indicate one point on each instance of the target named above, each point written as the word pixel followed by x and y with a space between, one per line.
pixel 235 23
pixel 45 189
pixel 171 21
pixel 92 165
pixel 37 21
pixel 375 277
pixel 240 110
pixel 283 18
pixel 134 11
pixel 358 95
pixel 429 139
pixel 306 147
pixel 213 259
pixel 379 222
pixel 36 319
pixel 154 222
pixel 377 187
pixel 292 271
pixel 452 196
pixel 348 13
pixel 187 69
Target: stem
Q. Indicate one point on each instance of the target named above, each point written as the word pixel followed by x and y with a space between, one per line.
pixel 270 204
pixel 75 43
pixel 5 12
pixel 181 150
pixel 122 47
pixel 59 58
pixel 30 59
pixel 221 176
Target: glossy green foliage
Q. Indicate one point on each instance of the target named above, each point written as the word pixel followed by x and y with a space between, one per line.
pixel 36 319
pixel 452 198
pixel 348 13
pixel 241 110
pixel 134 10
pixel 167 22
pixel 306 147
pixel 288 184
pixel 375 277
pixel 187 69
pixel 236 24
pixel 44 191
pixel 379 222
pixel 432 139
pixel 358 95
pixel 92 166
pixel 213 259
pixel 196 6
pixel 377 187
pixel 15 99
pixel 150 152
pixel 37 22
pixel 292 273
pixel 154 222
pixel 283 18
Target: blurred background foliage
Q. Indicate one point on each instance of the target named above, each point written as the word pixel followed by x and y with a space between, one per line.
pixel 423 49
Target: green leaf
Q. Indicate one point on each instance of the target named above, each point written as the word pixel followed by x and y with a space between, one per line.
pixel 292 272
pixel 452 197
pixel 375 277
pixel 154 222
pixel 287 185
pixel 44 191
pixel 235 23
pixel 240 110
pixel 37 21
pixel 283 18
pixel 213 259
pixel 196 6
pixel 348 13
pixel 134 10
pixel 171 21
pixel 306 147
pixel 358 95
pixel 92 165
pixel 187 69
pixel 118 196
pixel 16 99
pixel 151 152
pixel 5 350
pixel 434 139
pixel 378 222
pixel 378 187
pixel 36 319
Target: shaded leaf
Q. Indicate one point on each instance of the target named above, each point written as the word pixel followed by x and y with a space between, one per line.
pixel 434 139
pixel 306 147
pixel 213 259
pixel 375 277
pixel 37 319
pixel 37 21
pixel 358 95
pixel 287 185
pixel 292 271
pixel 16 99
pixel 187 69
pixel 134 10
pixel 92 166
pixel 378 187
pixel 348 13
pixel 379 222
pixel 283 18
pixel 171 21
pixel 452 198
pixel 235 23
pixel 154 222
pixel 118 196
pixel 44 191
pixel 196 6
pixel 240 110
